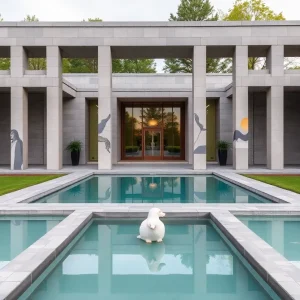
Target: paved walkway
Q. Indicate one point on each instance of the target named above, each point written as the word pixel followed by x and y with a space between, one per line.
pixel 147 168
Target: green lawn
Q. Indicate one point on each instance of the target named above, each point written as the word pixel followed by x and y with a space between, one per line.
pixel 10 184
pixel 291 183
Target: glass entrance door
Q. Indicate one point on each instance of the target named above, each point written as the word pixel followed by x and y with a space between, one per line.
pixel 152 144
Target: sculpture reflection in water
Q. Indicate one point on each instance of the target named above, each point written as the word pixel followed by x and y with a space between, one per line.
pixel 153 254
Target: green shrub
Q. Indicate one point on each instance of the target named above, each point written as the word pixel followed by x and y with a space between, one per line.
pixel 131 149
pixel 223 145
pixel 73 146
pixel 173 149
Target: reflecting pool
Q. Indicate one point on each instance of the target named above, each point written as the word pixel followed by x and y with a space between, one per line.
pixel 109 262
pixel 137 189
pixel 282 233
pixel 18 233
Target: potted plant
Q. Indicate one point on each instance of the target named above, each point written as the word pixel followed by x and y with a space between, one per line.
pixel 223 148
pixel 74 147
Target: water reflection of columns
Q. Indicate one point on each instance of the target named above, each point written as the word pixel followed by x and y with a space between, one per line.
pixel 200 189
pixel 105 254
pixel 189 189
pixel 199 260
pixel 115 189
pixel 241 196
pixel 104 189
pixel 53 282
pixel 51 223
pixel 241 283
pixel 278 235
pixel 18 236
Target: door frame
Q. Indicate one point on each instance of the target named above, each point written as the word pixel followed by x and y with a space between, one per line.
pixel 157 129
pixel 183 116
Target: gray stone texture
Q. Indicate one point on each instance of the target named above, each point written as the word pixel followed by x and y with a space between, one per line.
pixel 36 128
pixel 157 40
pixel 75 120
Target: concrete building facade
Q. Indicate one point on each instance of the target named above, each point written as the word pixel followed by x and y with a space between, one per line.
pixel 256 110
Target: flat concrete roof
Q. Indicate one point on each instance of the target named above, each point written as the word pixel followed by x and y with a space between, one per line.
pixel 150 24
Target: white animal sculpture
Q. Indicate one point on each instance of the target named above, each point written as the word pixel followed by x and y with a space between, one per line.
pixel 152 229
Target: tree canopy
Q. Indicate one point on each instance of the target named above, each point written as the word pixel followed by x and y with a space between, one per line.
pixel 32 18
pixel 251 10
pixel 194 10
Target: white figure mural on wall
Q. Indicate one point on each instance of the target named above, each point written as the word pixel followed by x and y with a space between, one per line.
pixel 200 149
pixel 101 138
pixel 16 150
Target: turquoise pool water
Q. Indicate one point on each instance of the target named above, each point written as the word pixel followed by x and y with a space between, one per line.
pixel 175 189
pixel 18 233
pixel 109 262
pixel 282 233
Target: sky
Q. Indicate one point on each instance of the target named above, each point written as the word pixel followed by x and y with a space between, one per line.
pixel 118 10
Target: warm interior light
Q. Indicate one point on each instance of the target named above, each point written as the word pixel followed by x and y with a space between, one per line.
pixel 152 122
pixel 152 185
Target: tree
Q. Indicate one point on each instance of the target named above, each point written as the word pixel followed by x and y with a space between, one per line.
pixel 32 18
pixel 252 10
pixel 134 66
pixel 193 10
pixel 94 20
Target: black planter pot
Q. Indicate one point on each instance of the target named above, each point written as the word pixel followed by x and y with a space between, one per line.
pixel 75 156
pixel 222 157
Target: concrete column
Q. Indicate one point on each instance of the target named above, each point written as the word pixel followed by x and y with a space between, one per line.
pixel 275 109
pixel 199 99
pixel 240 109
pixel 19 128
pixel 275 127
pixel 54 109
pixel 104 108
pixel 18 61
pixel 275 60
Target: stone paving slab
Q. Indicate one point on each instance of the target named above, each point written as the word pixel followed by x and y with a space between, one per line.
pixel 22 271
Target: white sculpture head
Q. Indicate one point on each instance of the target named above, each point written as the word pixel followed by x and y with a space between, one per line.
pixel 155 213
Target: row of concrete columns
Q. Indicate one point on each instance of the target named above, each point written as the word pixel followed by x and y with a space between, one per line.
pixel 19 110
pixel 275 108
pixel 275 101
